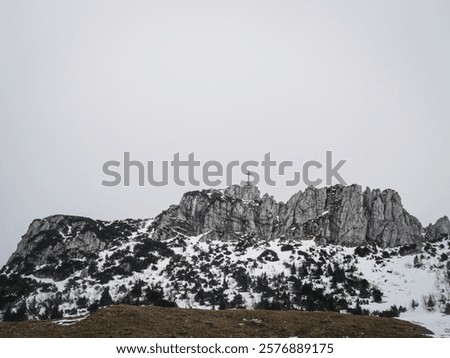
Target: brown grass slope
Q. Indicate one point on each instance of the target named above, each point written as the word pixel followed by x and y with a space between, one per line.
pixel 131 321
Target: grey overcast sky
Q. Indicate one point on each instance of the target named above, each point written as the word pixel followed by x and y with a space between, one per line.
pixel 81 82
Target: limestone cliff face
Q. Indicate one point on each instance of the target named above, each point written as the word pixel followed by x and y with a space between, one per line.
pixel 389 224
pixel 331 215
pixel 342 215
pixel 227 214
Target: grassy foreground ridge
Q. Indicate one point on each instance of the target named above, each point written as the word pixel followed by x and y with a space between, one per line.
pixel 139 322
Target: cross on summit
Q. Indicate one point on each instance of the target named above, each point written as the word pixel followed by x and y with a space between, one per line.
pixel 248 179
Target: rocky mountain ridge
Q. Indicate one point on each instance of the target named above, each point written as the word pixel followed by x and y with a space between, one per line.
pixel 233 248
pixel 343 215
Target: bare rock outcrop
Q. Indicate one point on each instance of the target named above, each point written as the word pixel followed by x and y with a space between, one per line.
pixel 339 214
pixel 438 230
